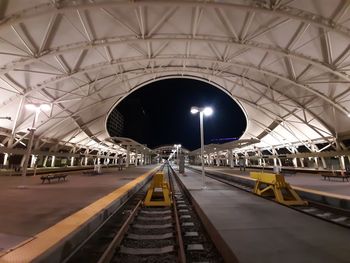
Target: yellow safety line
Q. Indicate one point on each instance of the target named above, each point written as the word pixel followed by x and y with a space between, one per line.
pixel 50 237
pixel 295 187
pixel 321 193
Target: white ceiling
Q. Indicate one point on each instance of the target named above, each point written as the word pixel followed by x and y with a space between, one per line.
pixel 285 62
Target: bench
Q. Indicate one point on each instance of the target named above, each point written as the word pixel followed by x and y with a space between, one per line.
pixel 335 175
pixel 50 177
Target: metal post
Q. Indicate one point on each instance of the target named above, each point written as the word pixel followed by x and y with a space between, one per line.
pixel 177 154
pixel 127 161
pixel 230 155
pixel 202 147
pixel 30 145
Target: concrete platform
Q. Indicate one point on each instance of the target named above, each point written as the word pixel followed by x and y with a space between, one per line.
pixel 259 230
pixel 26 212
pixel 311 181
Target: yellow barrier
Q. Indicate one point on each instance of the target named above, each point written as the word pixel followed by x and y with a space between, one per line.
pixel 158 194
pixel 269 184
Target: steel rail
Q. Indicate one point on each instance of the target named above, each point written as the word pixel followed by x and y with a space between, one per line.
pixel 180 243
pixel 109 252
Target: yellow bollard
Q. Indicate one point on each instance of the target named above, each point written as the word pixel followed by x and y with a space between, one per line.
pixel 270 184
pixel 158 194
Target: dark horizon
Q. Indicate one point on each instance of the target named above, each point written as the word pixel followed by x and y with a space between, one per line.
pixel 159 114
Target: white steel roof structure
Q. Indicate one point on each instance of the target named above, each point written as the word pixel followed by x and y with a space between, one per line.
pixel 286 62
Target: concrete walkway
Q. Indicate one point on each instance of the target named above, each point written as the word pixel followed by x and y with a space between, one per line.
pixel 25 212
pixel 259 230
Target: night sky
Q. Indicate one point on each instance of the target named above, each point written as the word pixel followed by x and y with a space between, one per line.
pixel 159 114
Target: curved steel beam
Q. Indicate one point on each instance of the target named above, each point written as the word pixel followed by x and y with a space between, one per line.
pixel 284 11
pixel 200 61
pixel 127 40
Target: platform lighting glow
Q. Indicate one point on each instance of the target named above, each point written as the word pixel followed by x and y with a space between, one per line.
pixel 208 111
pixel 31 107
pixel 194 110
pixel 348 114
pixel 35 107
pixel 45 107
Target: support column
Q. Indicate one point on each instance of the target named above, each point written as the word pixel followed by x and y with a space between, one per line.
pixel 72 161
pixel 217 159
pixel 127 161
pixel 6 155
pixel 33 160
pixel 274 161
pixel 316 162
pixel 98 158
pixel 324 164
pixel 136 158
pixel 45 161
pixel 5 159
pixel 53 161
pixel 230 156
pixel 294 160
pixel 342 162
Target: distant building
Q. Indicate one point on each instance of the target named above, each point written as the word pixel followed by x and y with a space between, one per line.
pixel 115 124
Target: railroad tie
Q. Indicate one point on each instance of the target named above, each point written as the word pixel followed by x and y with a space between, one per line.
pixel 155 212
pixel 150 237
pixel 152 226
pixel 187 224
pixel 310 210
pixel 146 251
pixel 154 218
pixel 327 214
pixel 195 247
pixel 191 234
pixel 340 219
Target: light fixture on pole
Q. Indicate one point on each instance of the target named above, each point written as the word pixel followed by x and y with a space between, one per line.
pixel 177 146
pixel 207 111
pixel 36 108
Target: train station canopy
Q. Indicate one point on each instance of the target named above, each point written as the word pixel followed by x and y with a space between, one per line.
pixel 285 62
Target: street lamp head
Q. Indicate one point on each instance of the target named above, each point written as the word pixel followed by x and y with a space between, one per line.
pixel 208 111
pixel 194 110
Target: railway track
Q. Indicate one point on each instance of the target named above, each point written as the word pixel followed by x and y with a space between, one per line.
pixel 136 233
pixel 321 211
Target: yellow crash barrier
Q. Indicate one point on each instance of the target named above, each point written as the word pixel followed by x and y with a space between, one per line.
pixel 158 194
pixel 270 184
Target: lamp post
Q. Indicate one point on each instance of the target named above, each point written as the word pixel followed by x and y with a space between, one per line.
pixel 177 146
pixel 207 111
pixel 36 108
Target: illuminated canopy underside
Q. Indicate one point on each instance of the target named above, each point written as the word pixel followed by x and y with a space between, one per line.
pixel 285 62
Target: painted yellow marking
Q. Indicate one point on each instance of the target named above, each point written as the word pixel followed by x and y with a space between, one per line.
pixel 50 237
pixel 295 187
pixel 321 193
